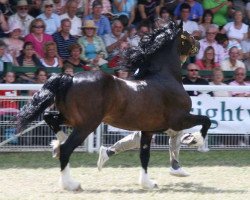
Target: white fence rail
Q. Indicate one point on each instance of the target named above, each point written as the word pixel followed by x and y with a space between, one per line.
pixel 39 138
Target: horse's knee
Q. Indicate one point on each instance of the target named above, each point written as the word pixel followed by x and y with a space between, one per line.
pixel 54 121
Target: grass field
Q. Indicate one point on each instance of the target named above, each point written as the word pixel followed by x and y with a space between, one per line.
pixel 222 175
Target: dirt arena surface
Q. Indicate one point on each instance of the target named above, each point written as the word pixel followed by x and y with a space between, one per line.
pixel 213 183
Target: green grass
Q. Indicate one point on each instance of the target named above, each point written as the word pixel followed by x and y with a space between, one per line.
pixel 235 158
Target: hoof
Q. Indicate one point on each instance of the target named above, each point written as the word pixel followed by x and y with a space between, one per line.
pixel 55 148
pixel 192 139
pixel 72 186
pixel 146 182
pixel 149 185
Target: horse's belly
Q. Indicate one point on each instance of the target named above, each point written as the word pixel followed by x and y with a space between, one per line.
pixel 146 121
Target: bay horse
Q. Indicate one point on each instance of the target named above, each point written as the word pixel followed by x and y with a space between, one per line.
pixel 156 101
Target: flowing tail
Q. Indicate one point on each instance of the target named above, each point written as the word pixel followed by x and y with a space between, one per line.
pixel 56 87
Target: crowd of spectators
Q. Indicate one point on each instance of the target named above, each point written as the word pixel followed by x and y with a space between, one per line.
pixel 90 34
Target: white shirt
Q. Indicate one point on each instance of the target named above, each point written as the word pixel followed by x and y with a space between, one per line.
pixel 25 24
pixel 232 32
pixel 76 24
pixel 226 65
pixel 190 26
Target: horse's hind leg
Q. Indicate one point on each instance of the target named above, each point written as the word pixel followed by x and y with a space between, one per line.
pixel 75 139
pixel 144 179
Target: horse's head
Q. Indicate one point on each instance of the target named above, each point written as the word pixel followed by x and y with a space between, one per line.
pixel 188 45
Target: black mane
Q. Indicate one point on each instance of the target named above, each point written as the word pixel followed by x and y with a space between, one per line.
pixel 136 57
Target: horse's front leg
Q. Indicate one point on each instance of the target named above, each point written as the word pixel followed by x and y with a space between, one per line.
pixel 75 139
pixel 144 179
pixel 174 149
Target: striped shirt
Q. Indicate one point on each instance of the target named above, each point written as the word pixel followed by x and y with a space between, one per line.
pixel 63 44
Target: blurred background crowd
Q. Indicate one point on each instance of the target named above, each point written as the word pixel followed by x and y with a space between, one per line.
pixel 91 34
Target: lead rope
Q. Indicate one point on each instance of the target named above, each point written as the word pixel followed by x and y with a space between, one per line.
pixel 22 133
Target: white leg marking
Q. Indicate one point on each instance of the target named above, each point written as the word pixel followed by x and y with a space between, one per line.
pixel 61 136
pixel 145 181
pixel 67 182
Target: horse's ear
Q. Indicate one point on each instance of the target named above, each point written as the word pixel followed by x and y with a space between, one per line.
pixel 181 25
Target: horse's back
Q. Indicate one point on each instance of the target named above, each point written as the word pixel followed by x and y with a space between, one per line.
pixel 87 97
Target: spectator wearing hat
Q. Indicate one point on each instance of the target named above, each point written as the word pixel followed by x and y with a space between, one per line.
pixel 51 19
pixel 93 48
pixel 13 42
pixel 76 22
pixel 106 6
pixel 64 39
pixel 22 17
pixel 102 23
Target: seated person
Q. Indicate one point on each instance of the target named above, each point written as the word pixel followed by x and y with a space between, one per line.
pixel 41 76
pixel 196 11
pixel 102 22
pixel 68 69
pixel 13 42
pixel 207 62
pixel 239 79
pixel 93 48
pixel 4 56
pixel 217 79
pixel 236 30
pixel 232 63
pixel 114 41
pixel 51 20
pixel 246 50
pixel 28 58
pixel 5 104
pixel 193 78
pixel 51 58
pixel 75 60
pixel 126 8
pixel 223 40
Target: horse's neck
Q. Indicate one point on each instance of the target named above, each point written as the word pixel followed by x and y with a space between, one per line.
pixel 167 62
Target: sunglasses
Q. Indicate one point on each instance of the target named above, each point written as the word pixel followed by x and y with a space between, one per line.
pixel 49 6
pixel 193 70
pixel 38 26
pixel 23 8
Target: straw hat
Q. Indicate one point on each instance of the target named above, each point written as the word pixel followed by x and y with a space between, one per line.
pixel 89 24
pixel 22 3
